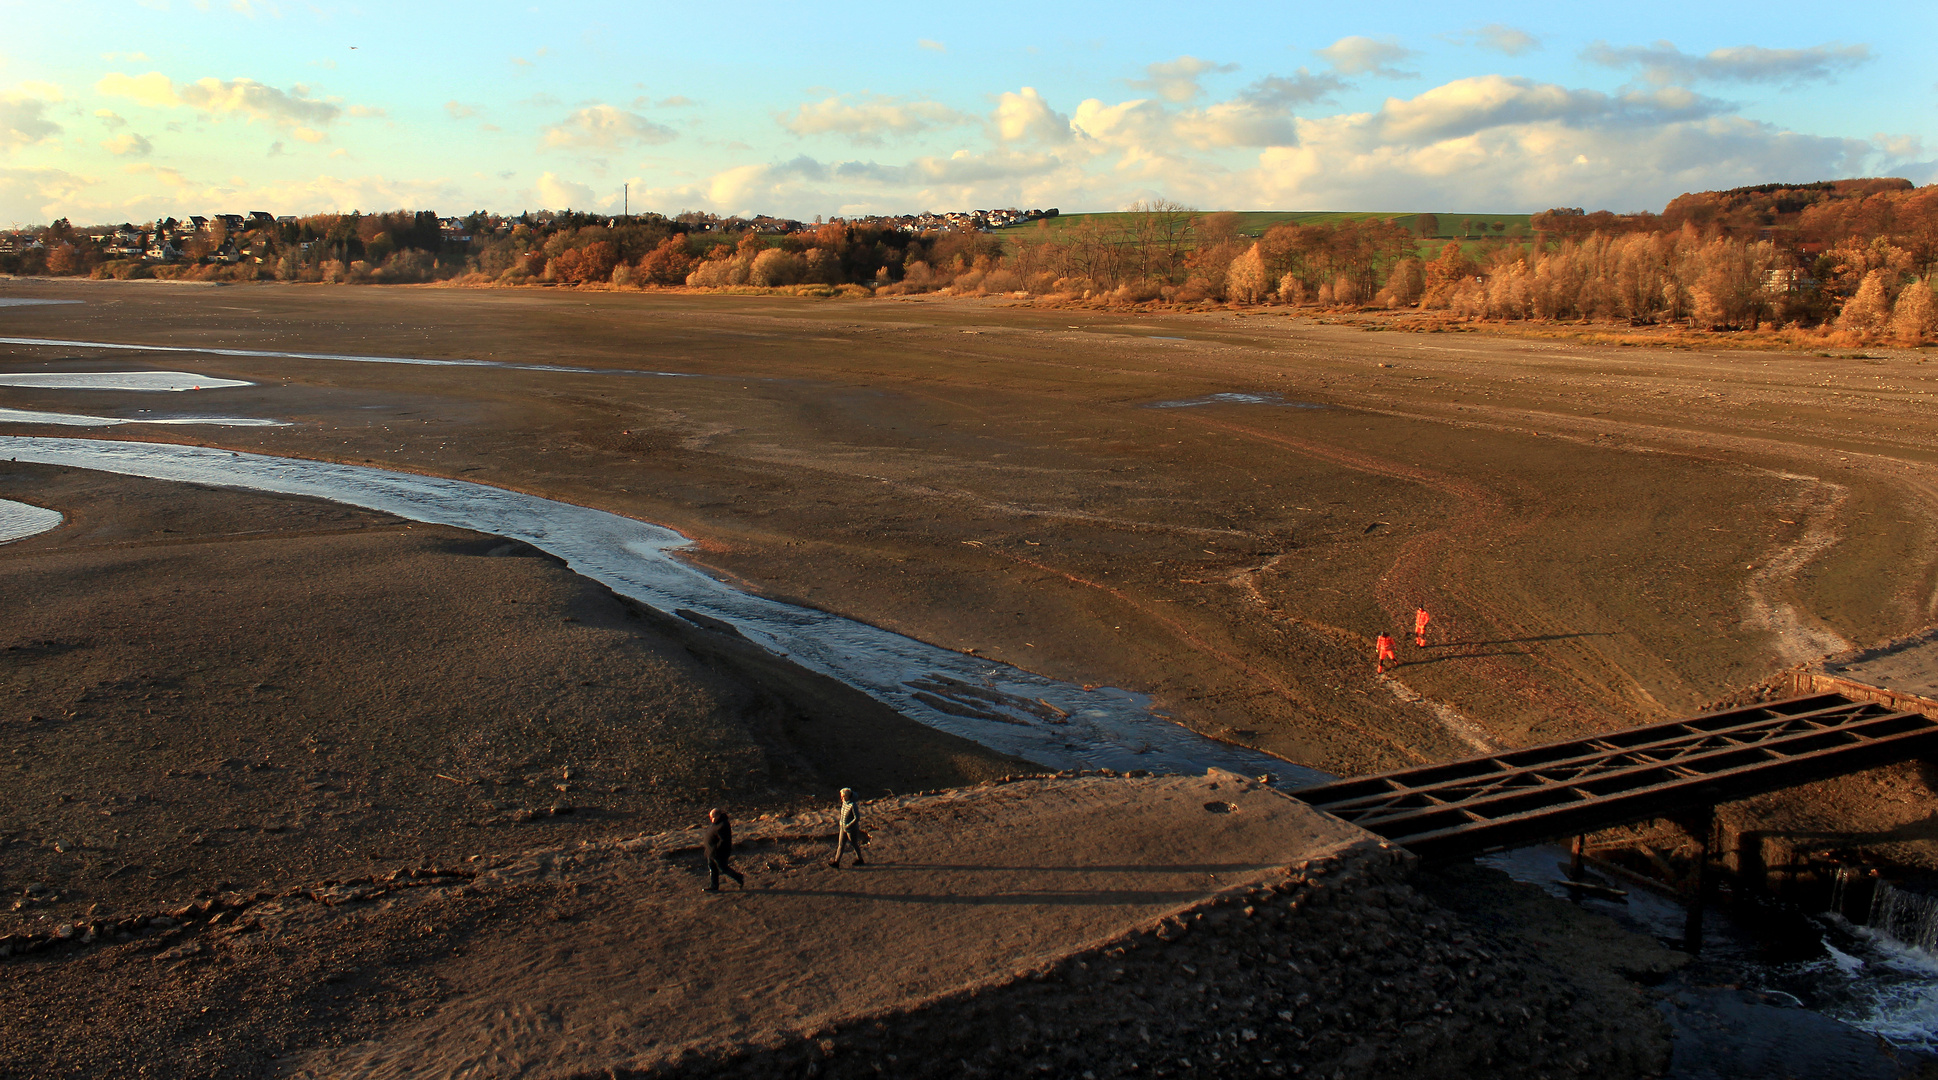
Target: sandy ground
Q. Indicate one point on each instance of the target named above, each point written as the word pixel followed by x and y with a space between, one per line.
pixel 210 689
pixel 604 958
pixel 1605 536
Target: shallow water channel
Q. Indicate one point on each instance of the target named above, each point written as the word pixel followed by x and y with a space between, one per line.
pixel 1055 724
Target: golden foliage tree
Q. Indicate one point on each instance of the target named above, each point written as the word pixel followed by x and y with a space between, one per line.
pixel 1867 312
pixel 1915 318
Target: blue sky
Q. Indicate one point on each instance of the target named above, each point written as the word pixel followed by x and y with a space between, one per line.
pixel 115 110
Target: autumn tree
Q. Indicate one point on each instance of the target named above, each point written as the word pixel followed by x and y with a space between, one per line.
pixel 1867 312
pixel 1915 318
pixel 667 264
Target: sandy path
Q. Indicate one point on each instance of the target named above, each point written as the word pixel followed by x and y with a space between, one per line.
pixel 961 888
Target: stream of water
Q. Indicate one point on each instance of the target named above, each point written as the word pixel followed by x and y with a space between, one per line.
pixel 1786 994
pixel 1055 724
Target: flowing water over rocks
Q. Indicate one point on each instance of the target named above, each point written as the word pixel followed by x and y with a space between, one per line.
pixel 1804 996
pixel 1043 720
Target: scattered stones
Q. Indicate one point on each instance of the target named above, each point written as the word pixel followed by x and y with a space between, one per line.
pixel 1363 977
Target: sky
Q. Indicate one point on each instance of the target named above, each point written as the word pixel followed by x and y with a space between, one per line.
pixel 129 110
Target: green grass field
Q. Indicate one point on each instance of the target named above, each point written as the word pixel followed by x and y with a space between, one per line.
pixel 1449 226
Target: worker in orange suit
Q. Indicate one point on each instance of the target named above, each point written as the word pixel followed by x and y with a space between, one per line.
pixel 1420 618
pixel 1385 646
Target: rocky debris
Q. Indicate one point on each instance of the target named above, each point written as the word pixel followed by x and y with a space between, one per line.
pixel 213 910
pixel 1338 969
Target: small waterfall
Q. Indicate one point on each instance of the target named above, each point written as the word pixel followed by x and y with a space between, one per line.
pixel 1909 918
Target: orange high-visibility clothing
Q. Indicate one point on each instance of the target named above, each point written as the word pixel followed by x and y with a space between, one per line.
pixel 1385 646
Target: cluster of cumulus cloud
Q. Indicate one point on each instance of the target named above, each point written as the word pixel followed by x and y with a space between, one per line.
pixel 1493 140
pixel 1277 140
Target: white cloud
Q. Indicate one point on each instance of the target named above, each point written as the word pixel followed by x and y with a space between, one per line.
pixel 1505 39
pixel 1144 129
pixel 246 98
pixel 1367 56
pixel 1177 80
pixel 1243 122
pixel 555 193
pixel 1662 63
pixel 871 119
pixel 158 191
pixel 960 168
pixel 110 118
pixel 43 194
pixel 129 144
pixel 931 45
pixel 1466 106
pixel 1496 142
pixel 1024 115
pixel 23 116
pixel 457 110
pixel 805 187
pixel 604 127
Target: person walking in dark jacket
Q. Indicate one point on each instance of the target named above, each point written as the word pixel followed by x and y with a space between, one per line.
pixel 848 832
pixel 718 845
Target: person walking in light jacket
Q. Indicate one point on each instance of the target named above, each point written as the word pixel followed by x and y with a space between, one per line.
pixel 849 834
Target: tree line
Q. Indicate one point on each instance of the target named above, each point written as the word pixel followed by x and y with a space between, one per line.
pixel 1854 257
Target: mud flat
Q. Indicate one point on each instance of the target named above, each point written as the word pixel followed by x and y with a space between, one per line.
pixel 1606 535
pixel 201 686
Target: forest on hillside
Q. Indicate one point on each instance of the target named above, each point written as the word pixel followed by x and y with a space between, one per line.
pixel 1853 258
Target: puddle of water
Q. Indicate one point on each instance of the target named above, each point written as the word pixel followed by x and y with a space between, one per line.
pixel 1233 398
pixel 23 301
pixel 19 520
pixel 29 416
pixel 1054 724
pixel 1160 337
pixel 119 380
pixel 350 357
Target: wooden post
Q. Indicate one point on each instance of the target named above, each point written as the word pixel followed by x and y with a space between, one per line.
pixel 1702 823
pixel 1574 857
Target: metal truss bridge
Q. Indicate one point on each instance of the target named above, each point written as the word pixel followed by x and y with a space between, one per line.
pixel 1562 789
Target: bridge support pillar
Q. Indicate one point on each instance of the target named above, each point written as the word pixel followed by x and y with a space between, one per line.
pixel 1702 824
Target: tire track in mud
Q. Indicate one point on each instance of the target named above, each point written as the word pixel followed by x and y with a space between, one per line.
pixel 1800 639
pixel 1188 636
pixel 1483 516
